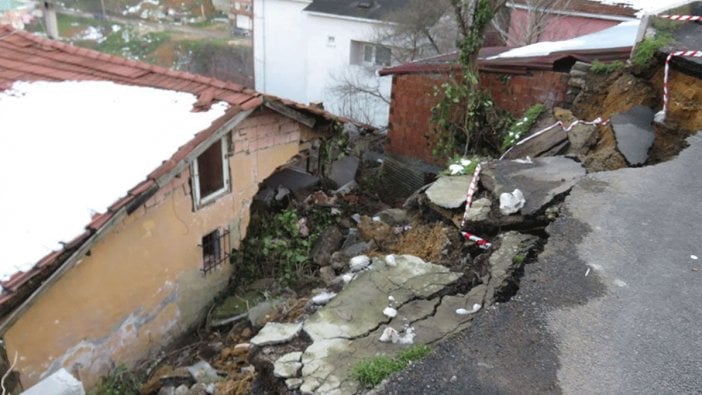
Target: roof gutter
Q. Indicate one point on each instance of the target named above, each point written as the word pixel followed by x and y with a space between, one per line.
pixel 349 18
pixel 574 13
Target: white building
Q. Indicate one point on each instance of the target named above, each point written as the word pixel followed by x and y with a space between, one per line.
pixel 303 49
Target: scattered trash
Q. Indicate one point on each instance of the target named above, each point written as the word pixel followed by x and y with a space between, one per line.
pixel 455 169
pixel 323 298
pixel 376 219
pixel 356 217
pixel 390 260
pixel 359 263
pixel 335 211
pixel 390 335
pixel 391 298
pixel 587 272
pixel 694 257
pixel 475 309
pixel 347 277
pixel 526 161
pixel 511 203
pixel 390 312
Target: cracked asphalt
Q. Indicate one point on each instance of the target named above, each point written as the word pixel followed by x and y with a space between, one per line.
pixel 612 305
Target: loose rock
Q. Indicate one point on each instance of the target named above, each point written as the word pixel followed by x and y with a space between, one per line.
pixel 276 333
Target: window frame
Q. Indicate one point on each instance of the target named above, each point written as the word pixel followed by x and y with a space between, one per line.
pixel 200 201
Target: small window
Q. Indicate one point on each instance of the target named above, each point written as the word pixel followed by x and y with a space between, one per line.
pixel 215 249
pixel 331 41
pixel 370 54
pixel 210 174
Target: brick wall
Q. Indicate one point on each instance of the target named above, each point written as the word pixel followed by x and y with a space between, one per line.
pixel 413 98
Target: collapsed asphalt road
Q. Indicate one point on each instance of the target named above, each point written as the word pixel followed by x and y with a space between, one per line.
pixel 612 305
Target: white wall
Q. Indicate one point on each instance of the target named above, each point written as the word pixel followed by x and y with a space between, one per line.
pixel 294 59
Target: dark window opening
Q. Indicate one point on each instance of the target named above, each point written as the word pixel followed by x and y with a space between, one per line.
pixel 215 249
pixel 210 170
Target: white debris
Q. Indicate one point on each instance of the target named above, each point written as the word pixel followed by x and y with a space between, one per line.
pixel 347 277
pixel 659 117
pixel 323 298
pixel 376 219
pixel 391 298
pixel 475 309
pixel 390 312
pixel 466 162
pixel 455 169
pixel 335 211
pixel 356 217
pixel 390 335
pixel 359 263
pixel 587 272
pixel 694 257
pixel 525 161
pixel 390 260
pixel 511 203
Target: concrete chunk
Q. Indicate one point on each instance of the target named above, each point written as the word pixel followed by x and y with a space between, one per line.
pixel 59 383
pixel 276 333
pixel 634 133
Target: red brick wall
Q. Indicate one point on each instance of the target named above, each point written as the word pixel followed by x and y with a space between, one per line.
pixel 516 93
pixel 413 98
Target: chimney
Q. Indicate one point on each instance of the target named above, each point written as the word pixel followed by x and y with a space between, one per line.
pixel 50 19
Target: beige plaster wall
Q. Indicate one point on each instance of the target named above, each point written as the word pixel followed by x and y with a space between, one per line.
pixel 142 284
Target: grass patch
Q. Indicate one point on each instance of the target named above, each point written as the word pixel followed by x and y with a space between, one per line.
pixel 120 381
pixel 522 126
pixel 646 50
pixel 606 68
pixel 131 45
pixel 370 372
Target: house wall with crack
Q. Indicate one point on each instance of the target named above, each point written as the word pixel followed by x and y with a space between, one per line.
pixel 142 283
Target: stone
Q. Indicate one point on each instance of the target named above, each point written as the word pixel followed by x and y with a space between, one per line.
pixel 168 390
pixel 393 216
pixel 634 133
pixel 288 365
pixel 199 389
pixel 480 210
pixel 203 372
pixel 540 181
pixel 177 377
pixel 181 390
pixel 582 138
pixel 293 384
pixel 326 244
pixel 344 170
pixel 276 333
pixel 263 312
pixel 328 275
pixel 449 192
pixel 58 383
pixel 323 298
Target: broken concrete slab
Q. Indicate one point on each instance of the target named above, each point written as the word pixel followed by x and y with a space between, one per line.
pixel 288 366
pixel 58 383
pixel 343 171
pixel 540 181
pixel 634 133
pixel 480 210
pixel 449 192
pixel 276 333
pixel 582 138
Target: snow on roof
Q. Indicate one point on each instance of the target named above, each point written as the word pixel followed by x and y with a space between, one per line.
pixel 69 149
pixel 621 35
pixel 647 6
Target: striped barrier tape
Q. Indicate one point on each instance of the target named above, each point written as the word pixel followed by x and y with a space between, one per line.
pixel 660 116
pixel 482 243
pixel 471 191
pixel 568 128
pixel 684 18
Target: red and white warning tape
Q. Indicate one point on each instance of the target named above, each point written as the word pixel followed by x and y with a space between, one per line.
pixel 471 191
pixel 482 243
pixel 566 128
pixel 666 91
pixel 684 18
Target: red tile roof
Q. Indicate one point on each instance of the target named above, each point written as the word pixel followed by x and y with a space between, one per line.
pixel 26 57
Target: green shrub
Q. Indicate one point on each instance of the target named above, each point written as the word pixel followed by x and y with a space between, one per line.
pixel 606 68
pixel 370 372
pixel 522 126
pixel 646 50
pixel 119 382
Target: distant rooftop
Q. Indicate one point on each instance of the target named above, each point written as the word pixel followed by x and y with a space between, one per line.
pixel 365 9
